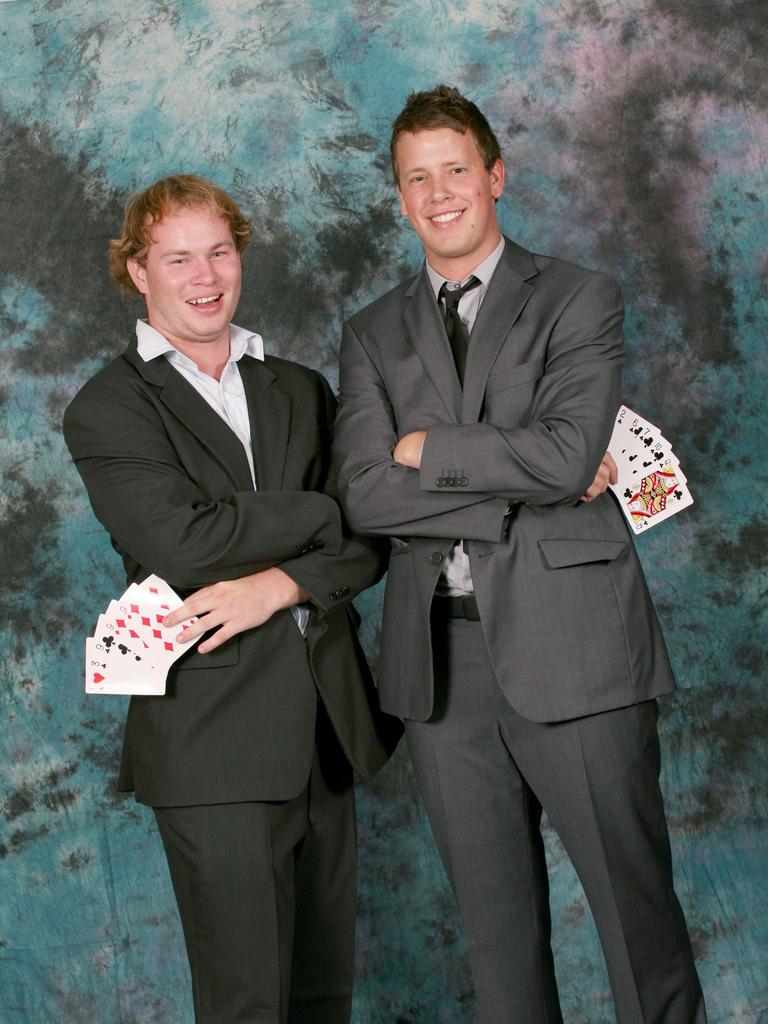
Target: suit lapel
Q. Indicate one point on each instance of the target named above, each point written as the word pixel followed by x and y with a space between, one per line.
pixel 427 332
pixel 196 414
pixel 508 293
pixel 269 410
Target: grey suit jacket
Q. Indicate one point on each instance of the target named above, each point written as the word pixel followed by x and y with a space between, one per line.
pixel 565 611
pixel 170 482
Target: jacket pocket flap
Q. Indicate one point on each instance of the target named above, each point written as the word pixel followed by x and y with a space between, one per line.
pixel 227 654
pixel 560 553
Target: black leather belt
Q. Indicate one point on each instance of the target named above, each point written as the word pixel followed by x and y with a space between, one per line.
pixel 456 607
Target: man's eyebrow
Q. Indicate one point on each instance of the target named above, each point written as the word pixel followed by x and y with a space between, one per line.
pixel 445 163
pixel 187 252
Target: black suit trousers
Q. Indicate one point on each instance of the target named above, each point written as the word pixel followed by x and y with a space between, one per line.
pixel 486 773
pixel 266 894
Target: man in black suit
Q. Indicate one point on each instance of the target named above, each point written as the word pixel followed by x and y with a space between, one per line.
pixel 519 641
pixel 207 462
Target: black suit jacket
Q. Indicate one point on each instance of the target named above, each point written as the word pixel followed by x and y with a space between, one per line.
pixel 170 482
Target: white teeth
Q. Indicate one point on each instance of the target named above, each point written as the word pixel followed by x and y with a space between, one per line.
pixel 445 218
pixel 202 302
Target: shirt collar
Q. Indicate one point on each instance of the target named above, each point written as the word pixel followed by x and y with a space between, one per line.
pixel 483 271
pixel 151 343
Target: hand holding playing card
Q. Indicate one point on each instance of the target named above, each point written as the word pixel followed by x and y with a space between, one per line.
pixel 234 606
pixel 651 487
pixel 607 473
pixel 132 649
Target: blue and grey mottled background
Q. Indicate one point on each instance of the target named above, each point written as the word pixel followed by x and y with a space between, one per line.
pixel 636 138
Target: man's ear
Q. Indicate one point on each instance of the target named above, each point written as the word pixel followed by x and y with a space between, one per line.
pixel 138 274
pixel 403 211
pixel 497 174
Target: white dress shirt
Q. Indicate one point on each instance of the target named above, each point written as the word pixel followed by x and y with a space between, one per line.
pixel 456 578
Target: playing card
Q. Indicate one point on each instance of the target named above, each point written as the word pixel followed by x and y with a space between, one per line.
pixel 623 445
pixel 651 485
pixel 653 457
pixel 144 625
pixel 155 586
pixel 643 431
pixel 109 633
pixel 114 668
pixel 142 610
pixel 118 619
pixel 131 650
pixel 658 496
pixel 636 445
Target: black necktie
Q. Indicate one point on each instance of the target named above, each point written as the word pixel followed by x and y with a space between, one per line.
pixel 454 328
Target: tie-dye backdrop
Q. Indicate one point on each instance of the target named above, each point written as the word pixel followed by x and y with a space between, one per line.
pixel 636 140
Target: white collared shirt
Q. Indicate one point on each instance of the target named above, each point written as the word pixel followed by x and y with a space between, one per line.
pixel 225 396
pixel 456 577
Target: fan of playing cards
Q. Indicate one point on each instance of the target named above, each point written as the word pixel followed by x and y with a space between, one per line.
pixel 651 485
pixel 131 651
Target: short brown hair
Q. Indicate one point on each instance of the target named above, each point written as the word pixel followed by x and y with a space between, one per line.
pixel 444 107
pixel 146 208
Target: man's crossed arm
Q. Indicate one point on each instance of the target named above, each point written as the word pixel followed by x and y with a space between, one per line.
pixel 392 481
pixel 407 452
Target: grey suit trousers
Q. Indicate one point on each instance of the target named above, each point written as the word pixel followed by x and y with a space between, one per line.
pixel 486 773
pixel 266 894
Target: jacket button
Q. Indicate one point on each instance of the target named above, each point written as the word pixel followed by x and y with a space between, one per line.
pixel 344 591
pixel 440 481
pixel 318 545
pixel 436 557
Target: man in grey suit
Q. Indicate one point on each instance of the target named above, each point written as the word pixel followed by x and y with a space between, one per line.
pixel 519 641
pixel 208 463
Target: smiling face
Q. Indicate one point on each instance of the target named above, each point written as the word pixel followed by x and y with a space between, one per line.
pixel 449 196
pixel 190 280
